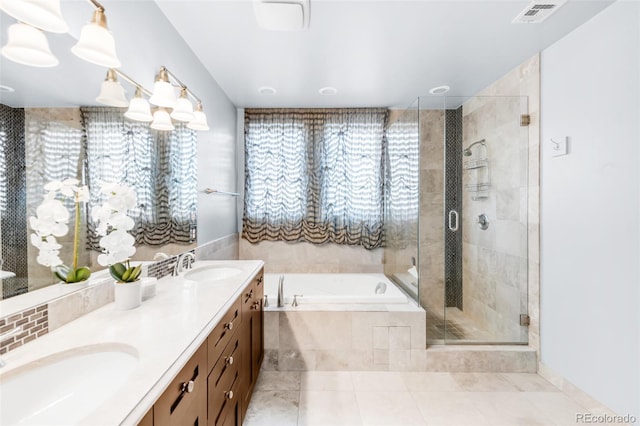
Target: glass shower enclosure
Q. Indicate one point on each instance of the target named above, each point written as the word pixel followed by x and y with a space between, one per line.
pixel 473 218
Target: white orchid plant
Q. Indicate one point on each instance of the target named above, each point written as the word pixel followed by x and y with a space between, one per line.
pixel 113 224
pixel 50 222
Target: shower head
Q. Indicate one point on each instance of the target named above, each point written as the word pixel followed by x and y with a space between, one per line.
pixel 467 151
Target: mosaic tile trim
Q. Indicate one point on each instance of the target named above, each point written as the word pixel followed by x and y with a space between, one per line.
pixel 165 267
pixel 34 323
pixel 453 201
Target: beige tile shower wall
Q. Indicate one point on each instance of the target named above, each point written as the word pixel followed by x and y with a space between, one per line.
pixel 40 276
pixel 498 262
pixel 306 257
pixel 431 223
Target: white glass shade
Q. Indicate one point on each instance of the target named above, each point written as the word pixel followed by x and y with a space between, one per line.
pixel 43 14
pixel 96 45
pixel 183 111
pixel 199 121
pixel 163 94
pixel 28 46
pixel 161 120
pixel 139 110
pixel 112 94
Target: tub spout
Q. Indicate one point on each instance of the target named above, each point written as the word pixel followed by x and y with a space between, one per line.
pixel 281 292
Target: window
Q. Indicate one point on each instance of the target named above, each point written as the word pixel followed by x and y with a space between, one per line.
pixel 160 166
pixel 315 175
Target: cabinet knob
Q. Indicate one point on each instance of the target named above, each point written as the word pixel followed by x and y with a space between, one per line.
pixel 256 305
pixel 229 394
pixel 188 386
pixel 229 360
pixel 229 325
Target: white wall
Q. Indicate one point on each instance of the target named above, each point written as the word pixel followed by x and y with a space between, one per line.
pixel 590 234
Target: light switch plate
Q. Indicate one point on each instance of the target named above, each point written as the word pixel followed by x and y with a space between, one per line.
pixel 559 146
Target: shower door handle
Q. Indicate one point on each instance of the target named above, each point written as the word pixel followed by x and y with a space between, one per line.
pixel 452 214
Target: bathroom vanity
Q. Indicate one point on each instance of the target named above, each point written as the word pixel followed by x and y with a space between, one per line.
pixel 195 351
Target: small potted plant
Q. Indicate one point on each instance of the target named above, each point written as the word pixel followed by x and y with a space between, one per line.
pixel 50 222
pixel 118 244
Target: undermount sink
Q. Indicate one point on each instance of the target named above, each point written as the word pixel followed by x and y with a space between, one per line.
pixel 64 388
pixel 211 273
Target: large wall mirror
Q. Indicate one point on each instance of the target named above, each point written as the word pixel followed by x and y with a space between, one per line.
pixel 96 146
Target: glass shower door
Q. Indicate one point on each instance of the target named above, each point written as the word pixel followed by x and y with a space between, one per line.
pixel 485 234
pixel 473 218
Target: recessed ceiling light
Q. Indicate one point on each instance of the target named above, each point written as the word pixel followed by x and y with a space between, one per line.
pixel 328 91
pixel 4 88
pixel 440 90
pixel 266 90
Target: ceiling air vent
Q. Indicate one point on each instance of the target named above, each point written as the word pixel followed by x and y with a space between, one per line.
pixel 538 11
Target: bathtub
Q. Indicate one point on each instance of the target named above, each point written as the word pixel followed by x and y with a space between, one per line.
pixel 318 289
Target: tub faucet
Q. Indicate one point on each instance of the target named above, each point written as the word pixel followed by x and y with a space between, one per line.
pixel 281 291
pixel 295 299
pixel 7 335
pixel 190 259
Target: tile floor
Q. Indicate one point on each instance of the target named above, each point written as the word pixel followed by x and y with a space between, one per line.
pixel 327 398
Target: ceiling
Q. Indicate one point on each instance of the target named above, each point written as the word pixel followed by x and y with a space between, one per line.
pixel 375 53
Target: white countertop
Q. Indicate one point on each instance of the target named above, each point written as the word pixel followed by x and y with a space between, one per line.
pixel 165 331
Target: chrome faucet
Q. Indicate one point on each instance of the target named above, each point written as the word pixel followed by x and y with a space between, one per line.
pixel 179 263
pixel 281 292
pixel 295 299
pixel 7 335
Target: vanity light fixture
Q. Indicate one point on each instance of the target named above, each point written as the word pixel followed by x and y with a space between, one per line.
pixel 183 110
pixel 28 45
pixel 163 93
pixel 42 14
pixel 96 43
pixel 200 120
pixel 112 92
pixel 139 108
pixel 161 120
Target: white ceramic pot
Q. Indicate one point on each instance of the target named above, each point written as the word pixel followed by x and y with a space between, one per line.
pixel 128 295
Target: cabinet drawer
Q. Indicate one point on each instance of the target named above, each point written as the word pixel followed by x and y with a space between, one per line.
pixel 253 294
pixel 224 385
pixel 223 333
pixel 185 400
pixel 228 362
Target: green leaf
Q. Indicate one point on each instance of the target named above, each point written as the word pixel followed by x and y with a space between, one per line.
pixel 83 273
pixel 125 276
pixel 60 276
pixel 136 273
pixel 120 268
pixel 114 273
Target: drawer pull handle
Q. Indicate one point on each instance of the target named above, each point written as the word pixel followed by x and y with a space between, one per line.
pixel 229 360
pixel 229 325
pixel 229 394
pixel 256 305
pixel 250 294
pixel 260 279
pixel 188 386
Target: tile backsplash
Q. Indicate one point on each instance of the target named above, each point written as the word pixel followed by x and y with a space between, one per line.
pixel 34 323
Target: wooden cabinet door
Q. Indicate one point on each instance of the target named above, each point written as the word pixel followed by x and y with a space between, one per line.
pixel 184 403
pixel 257 329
